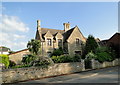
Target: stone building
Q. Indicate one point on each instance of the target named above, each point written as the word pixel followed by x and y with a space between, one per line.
pixel 18 56
pixel 70 39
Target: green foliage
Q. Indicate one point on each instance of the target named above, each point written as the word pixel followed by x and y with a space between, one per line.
pixel 65 59
pixel 12 63
pixel 42 61
pixel 90 45
pixel 102 49
pixel 10 52
pixel 104 56
pixel 62 59
pixel 28 58
pixel 57 52
pixel 91 55
pixel 4 59
pixel 34 46
pixel 76 58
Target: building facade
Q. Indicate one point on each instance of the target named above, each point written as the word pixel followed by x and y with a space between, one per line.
pixel 71 40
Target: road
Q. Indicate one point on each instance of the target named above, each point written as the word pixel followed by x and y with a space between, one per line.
pixel 106 75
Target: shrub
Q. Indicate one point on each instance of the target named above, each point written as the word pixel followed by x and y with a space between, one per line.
pixel 104 56
pixel 91 55
pixel 28 58
pixel 57 52
pixel 76 58
pixel 12 63
pixel 62 59
pixel 42 61
pixel 4 59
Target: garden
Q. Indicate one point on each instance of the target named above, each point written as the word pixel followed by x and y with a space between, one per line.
pixel 92 50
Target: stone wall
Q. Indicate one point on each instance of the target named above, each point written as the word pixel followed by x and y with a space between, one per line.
pixel 72 46
pixel 21 74
pixel 96 65
pixel 18 56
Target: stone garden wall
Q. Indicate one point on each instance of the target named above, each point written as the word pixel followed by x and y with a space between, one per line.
pixel 21 74
pixel 96 65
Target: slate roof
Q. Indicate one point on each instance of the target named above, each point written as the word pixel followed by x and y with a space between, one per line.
pixel 54 32
pixel 67 34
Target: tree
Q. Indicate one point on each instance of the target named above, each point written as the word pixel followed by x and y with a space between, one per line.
pixel 34 46
pixel 10 52
pixel 90 45
pixel 5 60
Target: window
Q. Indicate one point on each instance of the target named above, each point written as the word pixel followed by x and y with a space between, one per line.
pixel 60 42
pixel 77 41
pixel 78 52
pixel 49 42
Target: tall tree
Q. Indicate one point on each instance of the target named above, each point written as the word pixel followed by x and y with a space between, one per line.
pixel 34 46
pixel 91 45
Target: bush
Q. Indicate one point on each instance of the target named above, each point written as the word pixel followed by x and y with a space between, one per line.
pixel 28 58
pixel 57 52
pixel 12 63
pixel 104 56
pixel 91 55
pixel 62 59
pixel 4 59
pixel 42 61
pixel 76 58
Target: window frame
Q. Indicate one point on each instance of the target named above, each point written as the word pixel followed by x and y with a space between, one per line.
pixel 60 42
pixel 49 41
pixel 77 41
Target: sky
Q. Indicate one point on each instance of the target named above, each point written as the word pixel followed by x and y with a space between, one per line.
pixel 19 19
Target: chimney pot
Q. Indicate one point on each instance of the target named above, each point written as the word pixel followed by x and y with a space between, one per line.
pixel 66 26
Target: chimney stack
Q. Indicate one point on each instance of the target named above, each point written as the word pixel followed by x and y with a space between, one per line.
pixel 66 26
pixel 38 24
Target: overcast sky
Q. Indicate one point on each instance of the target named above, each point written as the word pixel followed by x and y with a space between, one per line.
pixel 19 19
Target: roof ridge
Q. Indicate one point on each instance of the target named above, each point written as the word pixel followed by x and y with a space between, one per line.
pixel 52 29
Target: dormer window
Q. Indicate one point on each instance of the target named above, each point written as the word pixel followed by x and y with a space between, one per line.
pixel 77 41
pixel 49 42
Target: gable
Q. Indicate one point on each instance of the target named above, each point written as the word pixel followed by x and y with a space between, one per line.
pixel 58 35
pixel 76 33
pixel 48 34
